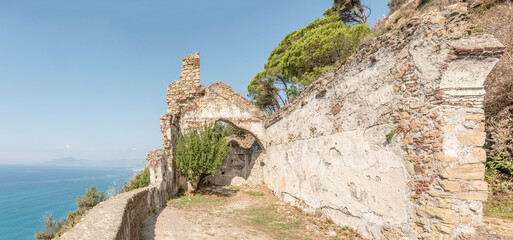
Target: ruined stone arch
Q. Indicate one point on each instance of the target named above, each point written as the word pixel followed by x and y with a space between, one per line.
pixel 220 102
pixel 191 104
pixel 255 137
pixel 243 162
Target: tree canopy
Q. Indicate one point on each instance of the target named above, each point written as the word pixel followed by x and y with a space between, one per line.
pixel 349 11
pixel 303 56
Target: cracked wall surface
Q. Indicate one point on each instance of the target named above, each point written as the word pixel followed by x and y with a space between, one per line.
pixel 421 86
pixel 390 144
pixel 239 167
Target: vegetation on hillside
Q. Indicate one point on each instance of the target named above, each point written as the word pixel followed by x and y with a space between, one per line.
pixel 55 228
pixel 304 55
pixel 138 181
pixel 200 152
pixel 51 228
pixel 494 17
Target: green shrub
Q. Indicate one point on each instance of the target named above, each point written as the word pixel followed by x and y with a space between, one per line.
pixel 139 181
pixel 253 193
pixel 390 136
pixel 90 199
pixel 85 202
pixel 200 152
pixel 500 162
pixel 230 130
pixel 51 228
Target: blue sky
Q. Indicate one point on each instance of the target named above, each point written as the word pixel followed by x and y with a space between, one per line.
pixel 88 78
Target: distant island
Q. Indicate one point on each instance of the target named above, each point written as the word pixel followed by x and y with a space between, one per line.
pixel 71 161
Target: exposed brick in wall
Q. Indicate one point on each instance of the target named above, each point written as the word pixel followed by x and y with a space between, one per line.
pixel 434 113
pixel 420 85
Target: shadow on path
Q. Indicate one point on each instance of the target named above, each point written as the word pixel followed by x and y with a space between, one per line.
pixel 148 227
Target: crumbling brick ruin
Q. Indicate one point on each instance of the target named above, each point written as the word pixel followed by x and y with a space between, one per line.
pixel 191 104
pixel 390 144
pixel 327 151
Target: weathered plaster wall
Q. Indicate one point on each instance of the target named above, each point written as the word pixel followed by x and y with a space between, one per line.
pixel 390 144
pixel 238 167
pixel 121 217
pixel 329 153
pixel 421 83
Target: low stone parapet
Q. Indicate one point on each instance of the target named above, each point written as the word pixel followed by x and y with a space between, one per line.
pixel 120 217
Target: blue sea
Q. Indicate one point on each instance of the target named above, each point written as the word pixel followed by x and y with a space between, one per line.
pixel 28 192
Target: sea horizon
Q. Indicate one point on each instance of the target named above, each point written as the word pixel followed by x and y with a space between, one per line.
pixel 28 191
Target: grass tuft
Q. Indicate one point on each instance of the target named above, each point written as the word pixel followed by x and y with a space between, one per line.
pixel 256 194
pixel 196 201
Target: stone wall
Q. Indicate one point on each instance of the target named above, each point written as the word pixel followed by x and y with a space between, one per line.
pixel 389 144
pixel 121 217
pixel 392 143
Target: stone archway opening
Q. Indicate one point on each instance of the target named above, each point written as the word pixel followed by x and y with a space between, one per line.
pixel 242 161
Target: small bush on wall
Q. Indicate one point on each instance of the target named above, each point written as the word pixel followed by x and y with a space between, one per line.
pixel 139 181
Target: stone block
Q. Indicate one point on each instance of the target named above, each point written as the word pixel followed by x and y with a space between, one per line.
pixel 479 185
pixel 473 138
pixel 469 171
pixel 450 186
pixel 446 215
pixel 444 228
pixel 418 228
pixel 439 236
pixel 443 203
pixel 475 117
pixel 450 158
pixel 479 196
pixel 446 129
pixel 466 219
pixel 478 156
pixel 407 141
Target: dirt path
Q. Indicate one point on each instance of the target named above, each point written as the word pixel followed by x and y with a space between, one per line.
pixel 494 229
pixel 238 213
pixel 256 214
pixel 503 227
